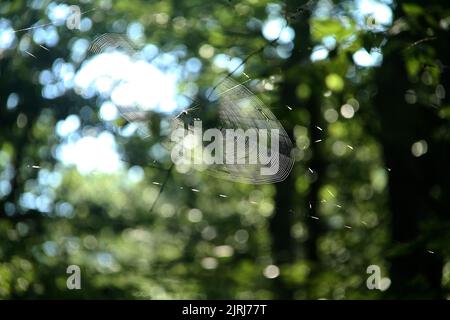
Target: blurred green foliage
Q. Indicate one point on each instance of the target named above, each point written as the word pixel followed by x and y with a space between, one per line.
pixel 219 242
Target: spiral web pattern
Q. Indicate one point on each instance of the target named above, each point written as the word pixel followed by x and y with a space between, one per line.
pixel 238 108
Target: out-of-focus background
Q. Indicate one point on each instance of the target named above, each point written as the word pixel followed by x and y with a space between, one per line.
pixel 359 85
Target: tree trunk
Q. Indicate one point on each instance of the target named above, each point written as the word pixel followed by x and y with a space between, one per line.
pixel 283 246
pixel 415 272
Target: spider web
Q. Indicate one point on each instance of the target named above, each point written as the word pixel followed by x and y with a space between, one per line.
pixel 238 108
